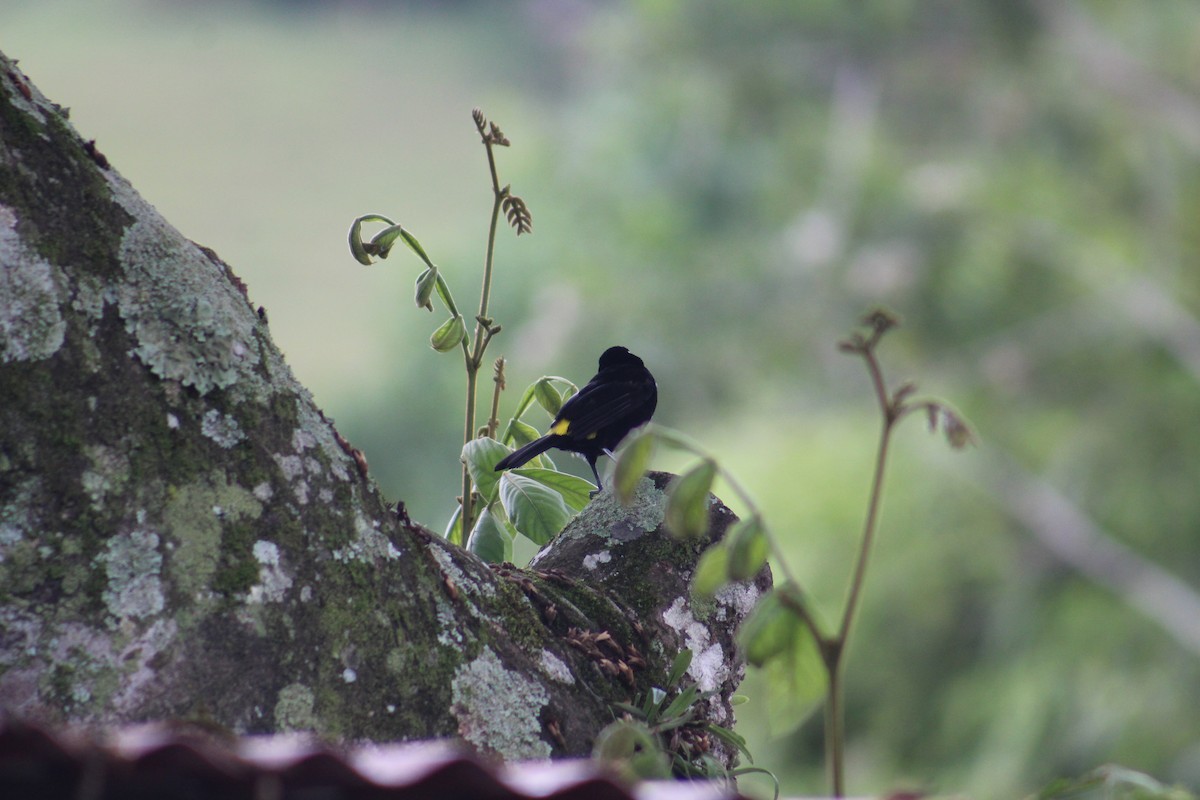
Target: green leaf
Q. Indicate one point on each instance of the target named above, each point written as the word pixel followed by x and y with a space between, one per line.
pixel 687 501
pixel 423 292
pixel 381 243
pixel 682 702
pixel 415 246
pixel 548 397
pixel 357 248
pixel 449 335
pixel 784 647
pixel 1112 782
pixel 712 570
pixel 490 540
pixel 481 456
pixel 769 630
pixel 747 548
pixel 731 738
pixel 384 240
pixel 679 667
pixel 654 700
pixel 575 491
pixel 535 510
pixel 453 532
pixel 632 463
pixel 521 433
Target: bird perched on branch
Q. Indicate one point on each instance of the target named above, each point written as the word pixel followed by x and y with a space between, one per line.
pixel 620 397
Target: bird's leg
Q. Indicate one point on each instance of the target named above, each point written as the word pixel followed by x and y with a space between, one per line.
pixel 599 484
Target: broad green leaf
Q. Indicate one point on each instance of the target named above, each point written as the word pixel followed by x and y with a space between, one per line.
pixel 489 539
pixel 747 548
pixel 575 491
pixel 687 501
pixel 547 396
pixel 535 510
pixel 769 630
pixel 632 462
pixel 782 645
pixel 521 433
pixel 481 456
pixel 712 571
pixel 449 335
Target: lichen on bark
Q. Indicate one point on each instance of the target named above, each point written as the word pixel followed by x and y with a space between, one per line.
pixel 184 535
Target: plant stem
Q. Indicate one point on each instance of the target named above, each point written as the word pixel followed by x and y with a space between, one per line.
pixel 483 335
pixel 498 377
pixel 468 435
pixel 835 649
pixel 835 735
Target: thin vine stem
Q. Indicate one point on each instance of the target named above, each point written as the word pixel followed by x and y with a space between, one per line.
pixel 483 335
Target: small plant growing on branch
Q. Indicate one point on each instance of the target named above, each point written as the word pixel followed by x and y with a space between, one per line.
pixel 804 660
pixel 453 333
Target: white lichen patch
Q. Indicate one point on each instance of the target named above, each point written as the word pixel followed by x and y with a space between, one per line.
pixel 31 296
pixel 449 634
pixel 708 668
pixel 132 565
pixel 190 323
pixel 368 545
pixel 593 560
pixel 461 579
pixel 273 579
pixel 738 598
pixel 556 668
pixel 497 709
pixel 221 428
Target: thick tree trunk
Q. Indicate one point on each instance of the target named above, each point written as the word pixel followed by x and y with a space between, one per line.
pixel 183 535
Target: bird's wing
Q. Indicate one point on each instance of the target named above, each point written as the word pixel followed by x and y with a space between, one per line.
pixel 598 405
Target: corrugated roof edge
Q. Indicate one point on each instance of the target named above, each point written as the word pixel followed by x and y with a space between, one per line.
pixel 39 762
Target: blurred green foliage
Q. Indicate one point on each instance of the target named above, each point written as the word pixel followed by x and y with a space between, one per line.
pixel 724 188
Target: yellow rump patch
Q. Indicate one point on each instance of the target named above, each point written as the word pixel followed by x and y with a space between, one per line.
pixel 561 427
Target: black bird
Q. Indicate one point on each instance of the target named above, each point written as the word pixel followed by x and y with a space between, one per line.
pixel 620 397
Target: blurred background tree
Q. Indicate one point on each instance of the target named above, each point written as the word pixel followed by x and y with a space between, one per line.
pixel 724 188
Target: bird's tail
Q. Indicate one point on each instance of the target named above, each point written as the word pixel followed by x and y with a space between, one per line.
pixel 526 453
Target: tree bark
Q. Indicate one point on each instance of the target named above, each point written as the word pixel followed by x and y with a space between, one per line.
pixel 185 536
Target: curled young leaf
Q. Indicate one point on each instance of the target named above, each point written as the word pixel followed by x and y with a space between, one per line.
pixel 448 335
pixel 356 244
pixel 425 286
